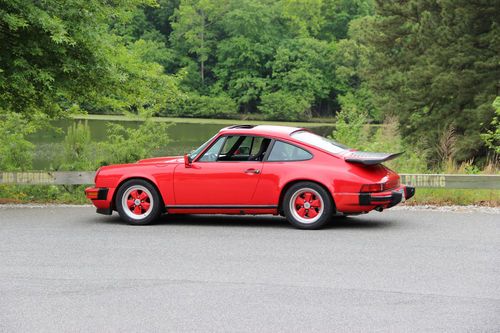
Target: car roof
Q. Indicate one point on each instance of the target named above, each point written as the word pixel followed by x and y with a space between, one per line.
pixel 264 130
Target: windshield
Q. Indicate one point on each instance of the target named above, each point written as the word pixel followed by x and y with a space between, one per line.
pixel 319 142
pixel 198 150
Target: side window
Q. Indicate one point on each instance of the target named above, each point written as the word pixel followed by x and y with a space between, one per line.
pixel 244 148
pixel 282 151
pixel 236 146
pixel 230 142
pixel 257 143
pixel 213 152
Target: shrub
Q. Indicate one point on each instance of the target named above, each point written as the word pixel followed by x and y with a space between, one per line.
pixel 123 145
pixel 492 137
pixel 387 138
pixel 352 130
pixel 127 145
pixel 16 152
pixel 350 123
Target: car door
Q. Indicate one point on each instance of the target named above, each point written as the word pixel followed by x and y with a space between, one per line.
pixel 226 174
pixel 284 162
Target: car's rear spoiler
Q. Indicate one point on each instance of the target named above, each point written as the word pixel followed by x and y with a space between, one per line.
pixel 369 158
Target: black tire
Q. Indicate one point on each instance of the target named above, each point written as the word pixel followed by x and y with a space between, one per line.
pixel 131 214
pixel 310 220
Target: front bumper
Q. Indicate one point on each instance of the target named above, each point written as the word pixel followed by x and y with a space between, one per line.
pixel 99 197
pixel 387 199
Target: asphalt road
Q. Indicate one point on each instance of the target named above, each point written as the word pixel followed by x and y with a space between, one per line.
pixel 69 270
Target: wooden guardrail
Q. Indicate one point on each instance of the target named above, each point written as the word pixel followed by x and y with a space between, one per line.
pixel 417 180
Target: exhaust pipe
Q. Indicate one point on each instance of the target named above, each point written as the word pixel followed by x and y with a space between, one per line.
pixel 379 208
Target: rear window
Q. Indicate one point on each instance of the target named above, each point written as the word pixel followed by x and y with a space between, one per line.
pixel 319 141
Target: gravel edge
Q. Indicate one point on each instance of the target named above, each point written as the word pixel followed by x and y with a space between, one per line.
pixel 454 209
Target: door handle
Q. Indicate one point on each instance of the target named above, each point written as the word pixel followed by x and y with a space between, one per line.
pixel 252 170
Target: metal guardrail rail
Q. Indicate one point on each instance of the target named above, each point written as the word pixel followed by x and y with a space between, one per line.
pixel 48 177
pixel 418 180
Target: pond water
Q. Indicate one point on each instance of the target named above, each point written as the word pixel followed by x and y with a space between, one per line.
pixel 184 137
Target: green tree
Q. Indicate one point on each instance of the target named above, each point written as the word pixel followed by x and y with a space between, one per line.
pixel 53 56
pixel 193 31
pixel 337 14
pixel 78 150
pixel 243 56
pixel 434 63
pixel 240 68
pixel 305 17
pixel 304 66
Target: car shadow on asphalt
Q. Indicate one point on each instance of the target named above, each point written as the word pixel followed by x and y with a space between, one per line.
pixel 262 221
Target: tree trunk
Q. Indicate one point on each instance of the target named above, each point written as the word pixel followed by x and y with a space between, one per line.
pixel 202 65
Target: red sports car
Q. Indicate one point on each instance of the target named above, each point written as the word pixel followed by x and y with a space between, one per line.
pixel 253 170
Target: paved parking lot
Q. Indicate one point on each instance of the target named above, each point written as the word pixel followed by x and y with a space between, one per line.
pixel 68 269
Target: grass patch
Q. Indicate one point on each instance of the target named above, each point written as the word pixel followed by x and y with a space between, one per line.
pixel 55 194
pixel 461 197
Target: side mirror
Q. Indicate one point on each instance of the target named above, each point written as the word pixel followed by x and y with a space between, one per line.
pixel 187 161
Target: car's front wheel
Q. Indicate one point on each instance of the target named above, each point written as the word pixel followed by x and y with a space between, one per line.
pixel 307 205
pixel 138 202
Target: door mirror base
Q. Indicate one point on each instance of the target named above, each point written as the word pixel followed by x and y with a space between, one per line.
pixel 187 161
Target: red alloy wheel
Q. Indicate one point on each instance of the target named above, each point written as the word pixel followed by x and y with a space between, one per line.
pixel 137 201
pixel 306 205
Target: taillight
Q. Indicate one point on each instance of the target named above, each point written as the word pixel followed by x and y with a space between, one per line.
pixel 391 184
pixel 380 187
pixel 372 187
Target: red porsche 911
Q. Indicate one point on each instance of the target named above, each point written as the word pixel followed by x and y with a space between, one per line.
pixel 253 170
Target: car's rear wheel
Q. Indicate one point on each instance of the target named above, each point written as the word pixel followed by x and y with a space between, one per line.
pixel 307 205
pixel 138 202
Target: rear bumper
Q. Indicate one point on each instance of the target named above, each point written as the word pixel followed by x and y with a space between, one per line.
pixel 387 199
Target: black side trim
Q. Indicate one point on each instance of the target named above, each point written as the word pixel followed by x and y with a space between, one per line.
pixel 222 207
pixel 102 194
pixel 104 211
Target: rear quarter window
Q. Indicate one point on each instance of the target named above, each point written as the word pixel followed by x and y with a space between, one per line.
pixel 283 151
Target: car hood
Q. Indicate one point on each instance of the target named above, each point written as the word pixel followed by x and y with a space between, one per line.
pixel 168 159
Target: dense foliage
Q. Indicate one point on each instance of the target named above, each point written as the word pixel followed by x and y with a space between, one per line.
pixel 58 56
pixel 434 64
pixel 431 66
pixel 256 53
